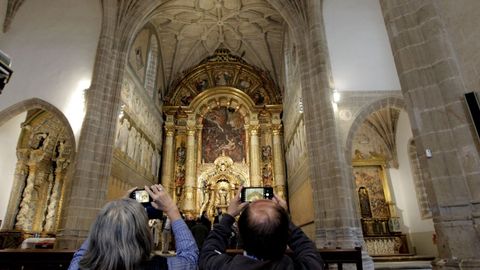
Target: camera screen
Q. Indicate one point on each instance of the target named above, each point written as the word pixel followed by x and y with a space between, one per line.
pixel 258 193
pixel 142 196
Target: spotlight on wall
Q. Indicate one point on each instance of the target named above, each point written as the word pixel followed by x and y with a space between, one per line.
pixel 5 70
pixel 300 105
pixel 336 96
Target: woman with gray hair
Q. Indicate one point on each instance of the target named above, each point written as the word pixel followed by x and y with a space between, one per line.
pixel 120 237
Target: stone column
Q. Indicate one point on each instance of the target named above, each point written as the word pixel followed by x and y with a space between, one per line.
pixel 190 172
pixel 278 162
pixel 21 172
pixel 168 152
pixel 255 172
pixel 435 61
pixel 337 225
pixel 88 188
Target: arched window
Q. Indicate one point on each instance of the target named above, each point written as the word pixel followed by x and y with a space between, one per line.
pixel 151 71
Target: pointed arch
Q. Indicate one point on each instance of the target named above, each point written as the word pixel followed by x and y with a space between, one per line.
pixel 389 102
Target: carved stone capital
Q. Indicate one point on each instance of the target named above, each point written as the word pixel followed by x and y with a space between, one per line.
pixel 254 130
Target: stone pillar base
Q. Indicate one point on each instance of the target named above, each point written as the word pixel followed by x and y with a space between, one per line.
pixel 367 261
pixel 70 239
pixel 456 263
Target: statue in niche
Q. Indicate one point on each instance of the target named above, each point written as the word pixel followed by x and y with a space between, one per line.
pixel 222 78
pixel 205 188
pixel 139 58
pixel 267 175
pixel 186 99
pixel 122 135
pixel 266 153
pixel 222 197
pixel 358 154
pixel 132 138
pixel 258 98
pixel 180 177
pixel 364 200
pixel 40 140
pixel 201 85
pixel 60 149
pixel 244 84
pixel 138 148
pixel 181 154
pixel 144 154
pixel 154 168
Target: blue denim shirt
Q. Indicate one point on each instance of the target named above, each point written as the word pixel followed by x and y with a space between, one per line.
pixel 187 251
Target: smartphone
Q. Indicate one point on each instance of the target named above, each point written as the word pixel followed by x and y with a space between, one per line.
pixel 141 196
pixel 250 194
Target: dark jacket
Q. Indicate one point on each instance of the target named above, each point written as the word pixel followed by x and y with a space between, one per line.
pixel 212 256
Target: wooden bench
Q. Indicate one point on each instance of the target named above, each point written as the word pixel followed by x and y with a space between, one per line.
pixel 342 256
pixel 35 259
pixel 329 256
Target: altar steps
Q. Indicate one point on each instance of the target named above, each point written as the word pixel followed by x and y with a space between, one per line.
pixel 403 262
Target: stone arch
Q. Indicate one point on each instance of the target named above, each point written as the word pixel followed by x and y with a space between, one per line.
pixel 223 96
pixel 363 115
pixel 36 103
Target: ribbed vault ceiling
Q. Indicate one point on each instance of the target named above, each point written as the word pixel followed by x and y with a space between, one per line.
pixel 190 30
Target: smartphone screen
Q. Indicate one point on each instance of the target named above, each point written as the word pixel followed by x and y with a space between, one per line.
pixel 250 194
pixel 141 196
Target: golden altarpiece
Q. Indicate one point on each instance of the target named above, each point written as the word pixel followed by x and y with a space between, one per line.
pixel 380 223
pixel 45 152
pixel 222 130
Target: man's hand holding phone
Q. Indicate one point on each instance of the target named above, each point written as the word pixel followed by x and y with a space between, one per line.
pixel 236 205
pixel 250 194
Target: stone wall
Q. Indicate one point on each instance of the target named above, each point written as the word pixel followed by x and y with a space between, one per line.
pixel 461 22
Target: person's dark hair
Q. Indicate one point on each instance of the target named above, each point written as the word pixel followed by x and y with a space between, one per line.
pixel 264 231
pixel 119 238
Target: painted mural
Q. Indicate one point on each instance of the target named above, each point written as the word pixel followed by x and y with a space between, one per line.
pixel 223 133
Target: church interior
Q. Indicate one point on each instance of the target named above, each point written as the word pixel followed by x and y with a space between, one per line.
pixel 353 111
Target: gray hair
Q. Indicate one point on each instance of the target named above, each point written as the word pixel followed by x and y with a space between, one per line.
pixel 119 238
